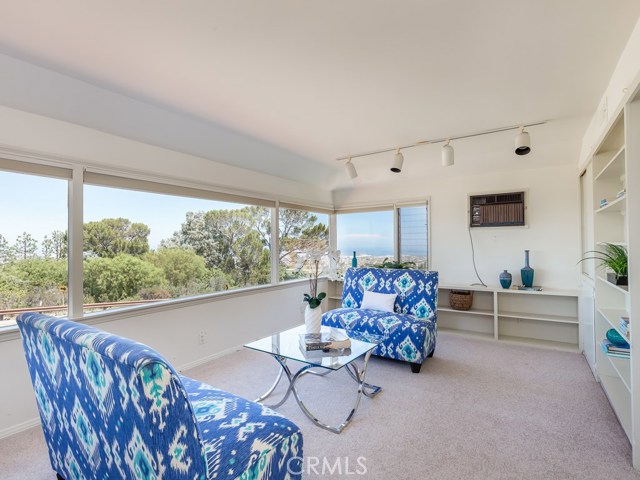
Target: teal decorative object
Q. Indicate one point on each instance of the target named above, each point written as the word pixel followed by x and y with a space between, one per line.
pixel 505 279
pixel 527 272
pixel 354 261
pixel 616 339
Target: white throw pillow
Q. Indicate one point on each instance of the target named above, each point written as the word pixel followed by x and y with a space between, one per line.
pixel 378 301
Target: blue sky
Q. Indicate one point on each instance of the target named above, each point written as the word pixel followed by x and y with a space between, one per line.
pixel 38 205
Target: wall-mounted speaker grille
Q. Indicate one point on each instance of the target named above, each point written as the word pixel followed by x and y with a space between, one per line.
pixel 497 210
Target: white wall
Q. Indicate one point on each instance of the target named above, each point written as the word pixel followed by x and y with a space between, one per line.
pixel 76 144
pixel 228 323
pixel 552 234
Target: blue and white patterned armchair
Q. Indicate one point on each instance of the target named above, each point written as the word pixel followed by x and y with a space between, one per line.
pixel 410 330
pixel 112 408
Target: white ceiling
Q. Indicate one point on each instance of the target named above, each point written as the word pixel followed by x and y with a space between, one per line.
pixel 330 78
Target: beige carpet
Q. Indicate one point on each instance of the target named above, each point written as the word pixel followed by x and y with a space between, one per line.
pixel 478 410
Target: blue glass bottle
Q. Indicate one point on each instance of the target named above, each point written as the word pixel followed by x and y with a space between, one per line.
pixel 527 272
pixel 354 261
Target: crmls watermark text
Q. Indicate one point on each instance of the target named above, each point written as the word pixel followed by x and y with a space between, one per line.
pixel 327 466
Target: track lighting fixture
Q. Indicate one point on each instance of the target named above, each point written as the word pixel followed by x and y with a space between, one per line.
pixel 351 170
pixel 523 142
pixel 447 154
pixel 397 162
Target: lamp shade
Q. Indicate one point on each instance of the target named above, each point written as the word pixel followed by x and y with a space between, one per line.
pixel 351 170
pixel 447 155
pixel 397 163
pixel 523 143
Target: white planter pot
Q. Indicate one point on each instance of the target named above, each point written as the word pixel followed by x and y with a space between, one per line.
pixel 313 319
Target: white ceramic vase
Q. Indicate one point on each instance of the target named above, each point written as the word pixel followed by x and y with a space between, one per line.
pixel 313 319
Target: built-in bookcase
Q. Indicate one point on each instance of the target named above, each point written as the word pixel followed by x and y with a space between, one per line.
pixel 548 318
pixel 615 165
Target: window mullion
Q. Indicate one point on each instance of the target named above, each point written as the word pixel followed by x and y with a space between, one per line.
pixel 275 244
pixel 75 243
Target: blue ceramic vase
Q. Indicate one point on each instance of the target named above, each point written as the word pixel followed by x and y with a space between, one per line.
pixel 505 279
pixel 354 261
pixel 527 272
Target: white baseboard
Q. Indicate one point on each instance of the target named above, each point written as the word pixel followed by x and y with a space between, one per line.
pixel 200 361
pixel 21 427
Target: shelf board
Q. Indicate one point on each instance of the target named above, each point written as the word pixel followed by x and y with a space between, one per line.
pixel 473 311
pixel 622 366
pixel 545 291
pixel 614 168
pixel 334 297
pixel 619 398
pixel 612 316
pixel 624 289
pixel 539 316
pixel 617 205
pixel 467 333
pixel 535 342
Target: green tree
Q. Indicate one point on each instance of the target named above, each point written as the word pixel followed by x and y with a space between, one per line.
pixel 59 243
pixel 229 241
pixel 26 246
pixel 33 282
pixel 7 253
pixel 185 271
pixel 122 277
pixel 112 236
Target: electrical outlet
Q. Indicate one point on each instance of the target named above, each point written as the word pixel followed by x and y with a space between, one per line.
pixel 202 338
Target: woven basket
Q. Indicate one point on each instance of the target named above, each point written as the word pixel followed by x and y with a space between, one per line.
pixel 460 299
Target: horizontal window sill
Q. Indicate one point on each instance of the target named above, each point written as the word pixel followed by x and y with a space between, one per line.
pixel 12 332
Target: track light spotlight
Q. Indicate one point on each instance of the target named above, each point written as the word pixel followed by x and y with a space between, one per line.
pixel 523 142
pixel 447 154
pixel 351 170
pixel 397 162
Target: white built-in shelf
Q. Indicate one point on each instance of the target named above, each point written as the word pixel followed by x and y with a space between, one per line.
pixel 612 316
pixel 474 311
pixel 622 366
pixel 540 317
pixel 619 398
pixel 467 333
pixel 621 288
pixel 614 168
pixel 551 344
pixel 617 205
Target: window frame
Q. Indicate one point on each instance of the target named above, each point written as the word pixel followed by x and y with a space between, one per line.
pixel 426 202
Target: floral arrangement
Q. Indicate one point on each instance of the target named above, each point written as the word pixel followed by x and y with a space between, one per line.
pixel 313 297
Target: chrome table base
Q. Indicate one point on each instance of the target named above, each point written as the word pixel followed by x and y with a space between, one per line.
pixel 358 375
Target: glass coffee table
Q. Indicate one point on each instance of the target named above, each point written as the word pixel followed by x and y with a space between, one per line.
pixel 285 346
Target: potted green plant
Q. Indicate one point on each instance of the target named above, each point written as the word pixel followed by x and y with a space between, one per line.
pixel 386 263
pixel 615 258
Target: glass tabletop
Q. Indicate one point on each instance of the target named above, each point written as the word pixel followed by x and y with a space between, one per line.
pixel 287 344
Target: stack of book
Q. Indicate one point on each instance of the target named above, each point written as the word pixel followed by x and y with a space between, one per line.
pixel 615 351
pixel 625 329
pixel 324 341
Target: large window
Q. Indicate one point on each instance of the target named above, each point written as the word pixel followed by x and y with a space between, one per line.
pixel 369 234
pixel 303 235
pixel 143 247
pixel 33 245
